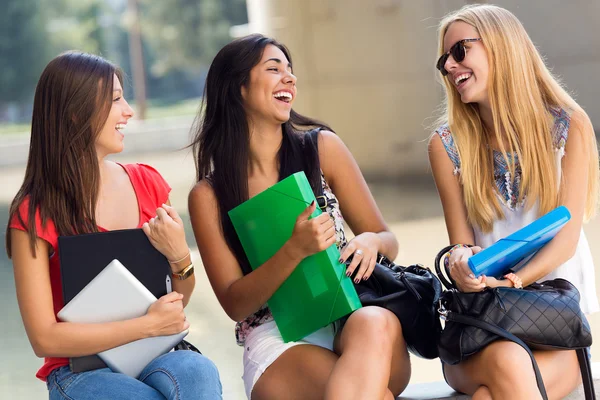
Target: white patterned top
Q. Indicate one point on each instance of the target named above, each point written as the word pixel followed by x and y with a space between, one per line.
pixel 579 270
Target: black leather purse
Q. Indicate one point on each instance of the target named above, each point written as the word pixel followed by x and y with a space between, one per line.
pixel 539 316
pixel 412 294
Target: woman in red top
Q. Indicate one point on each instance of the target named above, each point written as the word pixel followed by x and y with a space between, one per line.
pixel 70 188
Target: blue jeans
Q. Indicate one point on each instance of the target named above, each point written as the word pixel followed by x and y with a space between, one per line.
pixel 177 375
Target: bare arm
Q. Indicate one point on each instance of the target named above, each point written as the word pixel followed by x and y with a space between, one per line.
pixel 575 177
pixel 448 186
pixel 167 233
pixel 357 205
pixel 455 214
pixel 241 295
pixel 50 338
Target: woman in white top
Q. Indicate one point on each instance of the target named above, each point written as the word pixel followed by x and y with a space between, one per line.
pixel 512 146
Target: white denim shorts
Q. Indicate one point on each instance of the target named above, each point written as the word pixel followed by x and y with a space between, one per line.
pixel 264 345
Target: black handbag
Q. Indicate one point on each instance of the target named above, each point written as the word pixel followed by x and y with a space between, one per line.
pixel 412 294
pixel 539 316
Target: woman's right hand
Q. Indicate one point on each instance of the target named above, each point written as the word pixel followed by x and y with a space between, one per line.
pixel 166 315
pixel 461 273
pixel 311 236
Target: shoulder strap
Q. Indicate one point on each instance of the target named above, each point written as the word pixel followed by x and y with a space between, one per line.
pixel 586 373
pixel 313 136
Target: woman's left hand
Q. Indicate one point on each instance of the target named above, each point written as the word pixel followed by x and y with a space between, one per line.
pixel 166 233
pixel 364 249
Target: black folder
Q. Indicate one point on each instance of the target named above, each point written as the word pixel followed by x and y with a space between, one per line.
pixel 82 257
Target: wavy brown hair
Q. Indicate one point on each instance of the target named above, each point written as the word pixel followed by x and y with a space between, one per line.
pixel 72 101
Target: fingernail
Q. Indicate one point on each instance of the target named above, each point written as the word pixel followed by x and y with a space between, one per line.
pixel 365 278
pixel 356 280
pixel 341 261
pixel 471 276
pixel 312 202
pixel 348 273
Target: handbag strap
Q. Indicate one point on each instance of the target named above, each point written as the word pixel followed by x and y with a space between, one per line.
pixel 586 373
pixel 322 200
pixel 466 320
pixel 582 355
pixel 448 284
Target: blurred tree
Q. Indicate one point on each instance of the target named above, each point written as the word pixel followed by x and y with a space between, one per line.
pixel 179 38
pixel 76 24
pixel 22 50
pixel 235 11
pixel 186 34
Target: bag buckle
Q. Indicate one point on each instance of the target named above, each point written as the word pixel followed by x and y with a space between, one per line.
pixel 322 202
pixel 442 310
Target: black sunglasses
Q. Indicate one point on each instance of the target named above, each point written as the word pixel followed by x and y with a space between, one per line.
pixel 458 52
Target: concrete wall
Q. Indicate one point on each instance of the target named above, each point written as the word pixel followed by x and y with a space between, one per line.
pixel 367 67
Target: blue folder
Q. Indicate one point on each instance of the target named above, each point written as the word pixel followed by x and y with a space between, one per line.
pixel 503 255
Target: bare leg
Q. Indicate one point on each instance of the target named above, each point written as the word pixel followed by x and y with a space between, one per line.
pixel 301 372
pixel 374 362
pixel 503 370
pixel 483 393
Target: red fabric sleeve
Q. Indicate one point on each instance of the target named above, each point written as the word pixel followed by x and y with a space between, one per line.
pixel 151 182
pixel 46 232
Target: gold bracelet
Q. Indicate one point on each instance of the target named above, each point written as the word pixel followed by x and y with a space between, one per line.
pixel 184 273
pixel 181 259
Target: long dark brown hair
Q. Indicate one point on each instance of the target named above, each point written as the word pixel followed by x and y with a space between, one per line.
pixel 72 101
pixel 222 138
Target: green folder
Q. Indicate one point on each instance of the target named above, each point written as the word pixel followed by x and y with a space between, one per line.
pixel 318 292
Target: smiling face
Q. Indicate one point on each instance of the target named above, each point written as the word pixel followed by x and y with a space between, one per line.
pixel 470 76
pixel 271 89
pixel 110 138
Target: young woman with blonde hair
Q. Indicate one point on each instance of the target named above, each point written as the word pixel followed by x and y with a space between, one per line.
pixel 512 146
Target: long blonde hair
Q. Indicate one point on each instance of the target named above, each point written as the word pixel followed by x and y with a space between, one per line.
pixel 521 92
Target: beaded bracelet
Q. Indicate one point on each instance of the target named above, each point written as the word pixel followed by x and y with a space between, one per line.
pixel 449 253
pixel 516 281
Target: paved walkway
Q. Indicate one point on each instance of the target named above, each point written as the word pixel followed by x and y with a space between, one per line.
pixel 411 208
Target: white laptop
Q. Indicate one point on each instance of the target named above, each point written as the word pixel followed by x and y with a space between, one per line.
pixel 116 295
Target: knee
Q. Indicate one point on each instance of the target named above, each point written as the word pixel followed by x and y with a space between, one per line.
pixel 376 324
pixel 196 368
pixel 508 363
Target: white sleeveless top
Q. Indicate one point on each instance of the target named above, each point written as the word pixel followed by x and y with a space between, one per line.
pixel 579 269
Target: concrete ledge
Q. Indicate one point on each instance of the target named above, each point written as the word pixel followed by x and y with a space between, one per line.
pixel 434 390
pixel 160 134
pixel 441 391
